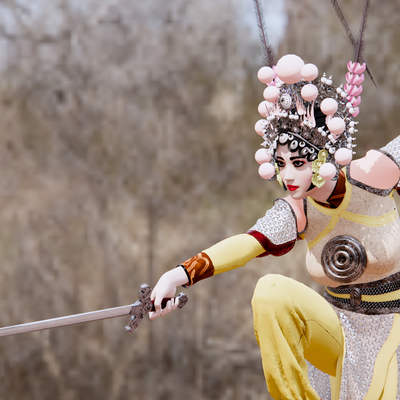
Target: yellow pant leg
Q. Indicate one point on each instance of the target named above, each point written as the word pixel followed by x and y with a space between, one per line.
pixel 293 323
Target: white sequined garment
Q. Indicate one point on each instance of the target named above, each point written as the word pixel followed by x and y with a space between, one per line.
pixel 279 224
pixel 365 336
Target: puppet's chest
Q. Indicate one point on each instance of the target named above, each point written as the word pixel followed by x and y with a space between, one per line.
pixel 355 243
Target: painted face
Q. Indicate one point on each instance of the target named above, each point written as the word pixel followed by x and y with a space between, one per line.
pixel 295 171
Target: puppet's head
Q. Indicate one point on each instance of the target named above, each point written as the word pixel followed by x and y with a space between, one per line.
pixel 309 115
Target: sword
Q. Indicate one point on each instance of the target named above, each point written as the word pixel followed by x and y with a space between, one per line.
pixel 137 310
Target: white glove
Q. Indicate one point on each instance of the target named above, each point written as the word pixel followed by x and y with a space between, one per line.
pixel 166 287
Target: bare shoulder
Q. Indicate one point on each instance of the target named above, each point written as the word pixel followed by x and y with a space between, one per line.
pixel 375 170
pixel 298 208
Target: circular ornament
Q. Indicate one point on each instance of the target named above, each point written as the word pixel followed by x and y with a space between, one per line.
pixel 271 93
pixel 266 171
pixel 329 106
pixel 266 74
pixel 262 156
pixel 304 151
pixel 344 259
pixel 262 109
pixel 343 156
pixel 327 171
pixel 283 138
pixel 309 72
pixel 289 68
pixel 260 126
pixel 336 125
pixel 309 92
pixel 285 101
pixel 312 157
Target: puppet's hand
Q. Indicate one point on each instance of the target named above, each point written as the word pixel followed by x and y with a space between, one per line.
pixel 166 287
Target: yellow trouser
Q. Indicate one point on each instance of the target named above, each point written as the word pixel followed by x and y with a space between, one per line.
pixel 293 323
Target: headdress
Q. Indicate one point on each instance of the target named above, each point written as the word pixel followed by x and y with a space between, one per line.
pixel 310 115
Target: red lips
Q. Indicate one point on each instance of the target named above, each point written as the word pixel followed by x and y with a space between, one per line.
pixel 292 188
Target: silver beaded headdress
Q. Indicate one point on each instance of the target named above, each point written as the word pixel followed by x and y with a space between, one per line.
pixel 308 114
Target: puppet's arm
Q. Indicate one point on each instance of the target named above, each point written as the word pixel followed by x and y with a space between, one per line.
pixel 275 233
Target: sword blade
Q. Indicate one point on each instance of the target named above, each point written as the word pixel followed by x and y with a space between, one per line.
pixel 67 320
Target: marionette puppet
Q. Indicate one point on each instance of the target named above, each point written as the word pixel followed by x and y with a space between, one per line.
pixel 344 345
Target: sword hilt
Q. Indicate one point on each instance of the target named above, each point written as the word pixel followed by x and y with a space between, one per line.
pixel 144 305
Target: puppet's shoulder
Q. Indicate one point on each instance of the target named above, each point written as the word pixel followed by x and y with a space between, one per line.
pixel 375 170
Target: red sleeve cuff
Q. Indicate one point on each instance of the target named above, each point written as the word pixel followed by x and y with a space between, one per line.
pixel 269 247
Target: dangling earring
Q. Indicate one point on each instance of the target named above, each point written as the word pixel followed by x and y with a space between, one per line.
pixel 316 179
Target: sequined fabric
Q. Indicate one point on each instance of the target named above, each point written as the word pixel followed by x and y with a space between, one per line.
pixel 365 336
pixel 279 224
pixel 392 149
pixel 320 382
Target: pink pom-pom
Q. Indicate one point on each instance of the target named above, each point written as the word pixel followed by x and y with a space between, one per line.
pixel 271 93
pixel 309 92
pixel 343 156
pixel 262 156
pixel 266 74
pixel 266 171
pixel 309 72
pixel 329 106
pixel 258 127
pixel 262 109
pixel 336 125
pixel 289 68
pixel 327 171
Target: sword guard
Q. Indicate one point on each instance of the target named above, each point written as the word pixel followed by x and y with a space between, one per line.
pixel 144 305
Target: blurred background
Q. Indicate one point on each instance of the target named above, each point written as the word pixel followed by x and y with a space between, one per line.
pixel 127 146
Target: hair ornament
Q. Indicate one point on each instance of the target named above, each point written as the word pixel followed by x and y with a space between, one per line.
pixel 309 92
pixel 266 74
pixel 309 72
pixel 266 171
pixel 308 114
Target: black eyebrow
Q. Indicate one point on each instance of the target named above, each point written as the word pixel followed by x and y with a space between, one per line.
pixel 295 158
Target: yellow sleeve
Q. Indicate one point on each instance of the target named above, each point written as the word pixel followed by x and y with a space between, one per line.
pixel 234 252
pixel 228 254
